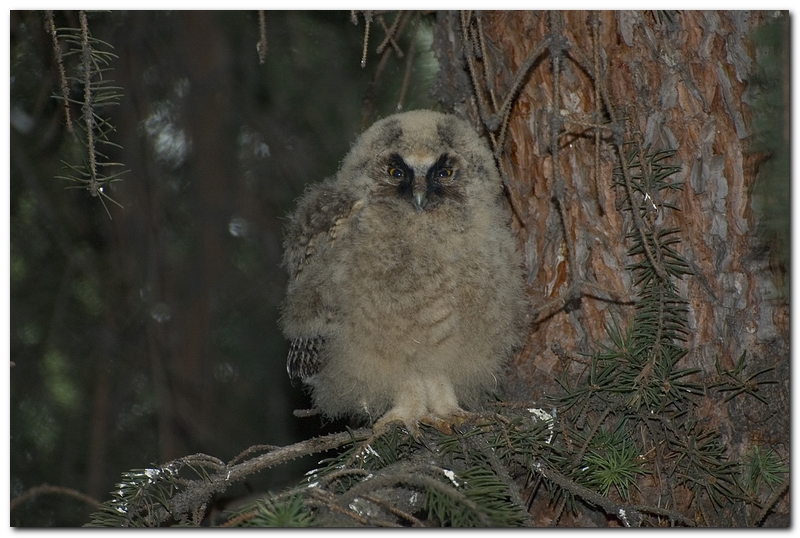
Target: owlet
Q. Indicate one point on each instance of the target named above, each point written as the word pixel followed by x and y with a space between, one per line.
pixel 405 292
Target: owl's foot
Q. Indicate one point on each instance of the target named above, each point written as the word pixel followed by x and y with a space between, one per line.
pixel 447 424
pixel 388 421
pixel 383 426
pixel 430 401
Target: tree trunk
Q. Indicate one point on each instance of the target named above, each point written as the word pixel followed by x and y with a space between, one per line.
pixel 632 83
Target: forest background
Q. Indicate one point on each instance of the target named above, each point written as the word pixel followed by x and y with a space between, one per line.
pixel 144 307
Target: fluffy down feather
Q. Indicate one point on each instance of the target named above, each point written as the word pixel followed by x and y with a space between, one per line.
pixel 405 295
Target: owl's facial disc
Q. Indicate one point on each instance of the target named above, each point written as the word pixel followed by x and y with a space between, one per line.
pixel 424 182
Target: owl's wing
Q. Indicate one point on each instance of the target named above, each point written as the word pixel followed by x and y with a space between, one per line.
pixel 313 227
pixel 304 358
pixel 322 212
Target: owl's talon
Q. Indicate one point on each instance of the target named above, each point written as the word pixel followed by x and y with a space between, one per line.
pixel 384 425
pixel 435 422
pixel 449 424
pixel 381 428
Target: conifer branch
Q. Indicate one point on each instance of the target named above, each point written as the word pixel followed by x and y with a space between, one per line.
pixel 97 93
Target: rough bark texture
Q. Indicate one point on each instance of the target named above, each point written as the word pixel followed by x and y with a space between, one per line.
pixel 678 81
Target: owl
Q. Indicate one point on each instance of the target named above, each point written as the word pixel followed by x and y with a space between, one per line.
pixel 405 294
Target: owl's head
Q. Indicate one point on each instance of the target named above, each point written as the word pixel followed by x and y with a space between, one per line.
pixel 422 157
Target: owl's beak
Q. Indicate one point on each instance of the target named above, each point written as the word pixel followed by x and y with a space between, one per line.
pixel 420 194
pixel 420 199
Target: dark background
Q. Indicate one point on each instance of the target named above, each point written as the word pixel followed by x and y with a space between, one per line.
pixel 153 335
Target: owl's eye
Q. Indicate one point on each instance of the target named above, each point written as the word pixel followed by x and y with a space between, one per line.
pixel 444 172
pixel 396 172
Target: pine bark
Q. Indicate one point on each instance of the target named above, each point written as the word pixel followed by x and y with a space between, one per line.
pixel 675 81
